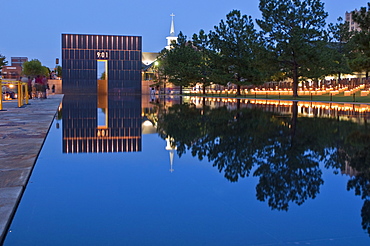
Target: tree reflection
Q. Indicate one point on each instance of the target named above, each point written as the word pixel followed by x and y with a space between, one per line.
pixel 233 140
pixel 183 123
pixel 237 140
pixel 288 170
pixel 283 152
pixel 357 156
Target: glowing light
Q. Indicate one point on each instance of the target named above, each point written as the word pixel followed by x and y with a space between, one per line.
pixel 147 123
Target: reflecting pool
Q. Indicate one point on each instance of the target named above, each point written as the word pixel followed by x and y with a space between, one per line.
pixel 199 171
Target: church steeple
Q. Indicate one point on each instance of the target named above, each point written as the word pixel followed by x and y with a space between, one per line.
pixel 172 37
pixel 172 30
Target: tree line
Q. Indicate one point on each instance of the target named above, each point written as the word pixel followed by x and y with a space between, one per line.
pixel 293 42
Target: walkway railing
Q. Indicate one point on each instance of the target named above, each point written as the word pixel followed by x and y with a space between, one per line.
pixel 22 91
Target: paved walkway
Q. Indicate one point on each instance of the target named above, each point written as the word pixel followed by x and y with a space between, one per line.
pixel 22 134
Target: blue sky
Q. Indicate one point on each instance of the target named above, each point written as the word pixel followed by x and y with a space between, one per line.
pixel 33 28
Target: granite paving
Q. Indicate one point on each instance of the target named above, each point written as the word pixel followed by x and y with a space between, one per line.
pixel 22 134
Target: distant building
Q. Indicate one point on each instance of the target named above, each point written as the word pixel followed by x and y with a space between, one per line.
pixel 353 26
pixel 148 70
pixel 11 72
pixel 18 61
pixel 148 59
pixel 14 71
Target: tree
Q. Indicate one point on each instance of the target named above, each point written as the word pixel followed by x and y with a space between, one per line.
pixel 237 43
pixel 361 39
pixel 102 76
pixel 330 59
pixel 294 30
pixel 340 40
pixel 34 67
pixel 59 71
pixel 181 63
pixel 206 67
pixel 160 78
pixel 2 61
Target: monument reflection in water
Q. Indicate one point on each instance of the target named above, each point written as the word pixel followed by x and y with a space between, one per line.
pixel 106 71
pixel 101 123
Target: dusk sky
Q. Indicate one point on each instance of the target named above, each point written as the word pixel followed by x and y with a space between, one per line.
pixel 33 28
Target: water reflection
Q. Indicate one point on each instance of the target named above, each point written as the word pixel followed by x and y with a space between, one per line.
pixel 264 159
pixel 278 144
pixel 101 123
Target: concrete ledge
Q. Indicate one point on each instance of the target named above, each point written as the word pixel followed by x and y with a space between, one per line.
pixel 9 199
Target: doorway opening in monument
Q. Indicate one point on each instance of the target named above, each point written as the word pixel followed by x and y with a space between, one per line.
pixel 102 107
pixel 102 74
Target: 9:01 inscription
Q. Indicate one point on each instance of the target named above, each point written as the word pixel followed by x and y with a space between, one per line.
pixel 102 54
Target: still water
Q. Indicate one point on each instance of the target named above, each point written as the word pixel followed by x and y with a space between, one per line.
pixel 193 171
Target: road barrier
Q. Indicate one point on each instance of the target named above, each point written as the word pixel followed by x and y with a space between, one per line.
pixel 22 93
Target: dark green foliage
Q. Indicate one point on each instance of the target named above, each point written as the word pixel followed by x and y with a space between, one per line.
pixel 362 17
pixel 340 49
pixel 207 66
pixel 237 44
pixel 182 63
pixel 293 44
pixel 361 39
pixel 3 62
pixel 59 71
pixel 294 30
pixel 34 67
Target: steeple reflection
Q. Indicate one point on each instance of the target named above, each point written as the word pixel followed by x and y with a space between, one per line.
pixel 170 147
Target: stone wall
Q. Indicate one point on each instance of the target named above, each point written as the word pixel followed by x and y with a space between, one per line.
pixel 58 85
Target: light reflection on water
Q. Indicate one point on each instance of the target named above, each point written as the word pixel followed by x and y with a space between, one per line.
pixel 226 174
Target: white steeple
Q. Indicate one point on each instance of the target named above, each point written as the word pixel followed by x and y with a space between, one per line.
pixel 172 36
pixel 172 30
